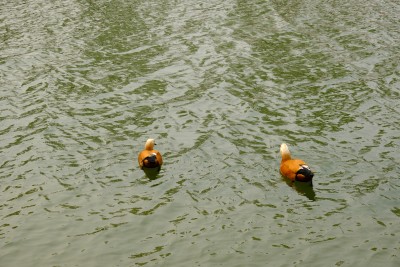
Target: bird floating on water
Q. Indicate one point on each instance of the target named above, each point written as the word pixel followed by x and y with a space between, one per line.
pixel 149 157
pixel 294 169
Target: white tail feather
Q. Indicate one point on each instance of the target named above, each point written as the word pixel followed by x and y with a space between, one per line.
pixel 285 153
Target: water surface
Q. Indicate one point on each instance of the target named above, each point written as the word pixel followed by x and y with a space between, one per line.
pixel 219 85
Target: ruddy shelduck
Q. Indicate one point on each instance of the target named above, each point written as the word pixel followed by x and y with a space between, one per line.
pixel 294 169
pixel 149 157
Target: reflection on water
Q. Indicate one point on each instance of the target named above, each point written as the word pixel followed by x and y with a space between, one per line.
pixel 151 173
pixel 303 188
pixel 221 85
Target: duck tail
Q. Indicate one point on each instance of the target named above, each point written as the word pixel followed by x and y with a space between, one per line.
pixel 149 144
pixel 285 153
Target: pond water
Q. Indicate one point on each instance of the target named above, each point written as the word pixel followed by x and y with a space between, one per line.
pixel 219 85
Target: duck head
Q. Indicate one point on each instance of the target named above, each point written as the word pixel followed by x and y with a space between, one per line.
pixel 304 174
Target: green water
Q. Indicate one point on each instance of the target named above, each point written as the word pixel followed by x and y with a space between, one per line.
pixel 219 85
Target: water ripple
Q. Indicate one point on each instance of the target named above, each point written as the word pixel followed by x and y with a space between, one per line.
pixel 219 85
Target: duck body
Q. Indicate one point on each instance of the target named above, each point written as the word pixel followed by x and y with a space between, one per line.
pixel 149 157
pixel 294 169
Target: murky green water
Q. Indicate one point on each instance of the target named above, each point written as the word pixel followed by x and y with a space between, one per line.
pixel 219 84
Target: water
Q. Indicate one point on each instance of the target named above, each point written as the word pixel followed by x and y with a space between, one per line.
pixel 219 85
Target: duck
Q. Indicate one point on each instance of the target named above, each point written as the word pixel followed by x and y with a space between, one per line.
pixel 294 169
pixel 149 157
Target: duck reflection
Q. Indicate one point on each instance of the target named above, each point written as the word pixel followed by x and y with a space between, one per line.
pixel 151 173
pixel 303 188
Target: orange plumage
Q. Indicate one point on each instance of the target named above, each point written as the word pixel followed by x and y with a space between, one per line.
pixel 294 169
pixel 149 157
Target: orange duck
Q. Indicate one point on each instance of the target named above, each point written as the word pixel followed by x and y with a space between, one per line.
pixel 149 157
pixel 294 169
